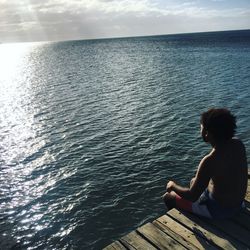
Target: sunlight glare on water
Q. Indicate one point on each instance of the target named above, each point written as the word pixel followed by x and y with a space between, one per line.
pixel 18 137
pixel 13 93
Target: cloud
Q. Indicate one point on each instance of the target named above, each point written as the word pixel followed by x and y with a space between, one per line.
pixel 27 20
pixel 103 6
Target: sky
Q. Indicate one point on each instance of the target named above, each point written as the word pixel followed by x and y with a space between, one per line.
pixel 57 20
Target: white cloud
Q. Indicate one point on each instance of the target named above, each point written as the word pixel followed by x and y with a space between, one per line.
pixel 108 6
pixel 63 19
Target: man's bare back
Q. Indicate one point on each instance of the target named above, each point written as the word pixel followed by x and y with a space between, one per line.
pixel 229 173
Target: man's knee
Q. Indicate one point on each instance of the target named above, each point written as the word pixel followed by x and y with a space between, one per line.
pixel 169 199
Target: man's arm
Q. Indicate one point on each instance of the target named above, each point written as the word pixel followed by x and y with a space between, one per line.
pixel 199 183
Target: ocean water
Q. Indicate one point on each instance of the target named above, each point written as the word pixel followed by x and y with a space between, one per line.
pixel 90 131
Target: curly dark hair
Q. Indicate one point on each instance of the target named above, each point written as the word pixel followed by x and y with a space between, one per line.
pixel 220 122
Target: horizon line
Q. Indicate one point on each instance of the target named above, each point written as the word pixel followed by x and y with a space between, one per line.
pixel 126 37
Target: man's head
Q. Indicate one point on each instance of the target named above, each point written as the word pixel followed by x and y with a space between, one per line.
pixel 220 124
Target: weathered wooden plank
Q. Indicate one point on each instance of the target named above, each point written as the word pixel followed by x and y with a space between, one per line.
pixel 158 237
pixel 115 246
pixel 205 230
pixel 232 229
pixel 247 197
pixel 181 234
pixel 134 241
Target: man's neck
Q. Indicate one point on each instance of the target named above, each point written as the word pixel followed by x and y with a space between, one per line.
pixel 220 145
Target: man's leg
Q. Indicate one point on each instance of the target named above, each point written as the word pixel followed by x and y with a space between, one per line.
pixel 173 200
pixel 170 200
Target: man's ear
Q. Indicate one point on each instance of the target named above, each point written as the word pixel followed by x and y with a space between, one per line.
pixel 209 136
pixel 206 136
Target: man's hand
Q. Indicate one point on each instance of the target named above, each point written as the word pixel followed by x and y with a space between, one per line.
pixel 170 186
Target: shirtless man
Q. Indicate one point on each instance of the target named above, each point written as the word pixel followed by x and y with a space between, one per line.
pixel 219 186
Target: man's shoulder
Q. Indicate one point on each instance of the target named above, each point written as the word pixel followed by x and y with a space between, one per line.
pixel 208 160
pixel 206 165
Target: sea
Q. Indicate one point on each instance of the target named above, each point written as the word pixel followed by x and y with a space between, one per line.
pixel 92 130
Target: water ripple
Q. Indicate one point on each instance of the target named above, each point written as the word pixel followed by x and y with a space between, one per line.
pixel 91 142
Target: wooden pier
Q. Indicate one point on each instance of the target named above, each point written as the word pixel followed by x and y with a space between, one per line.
pixel 181 230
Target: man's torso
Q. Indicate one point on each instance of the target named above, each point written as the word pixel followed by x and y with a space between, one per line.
pixel 229 174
